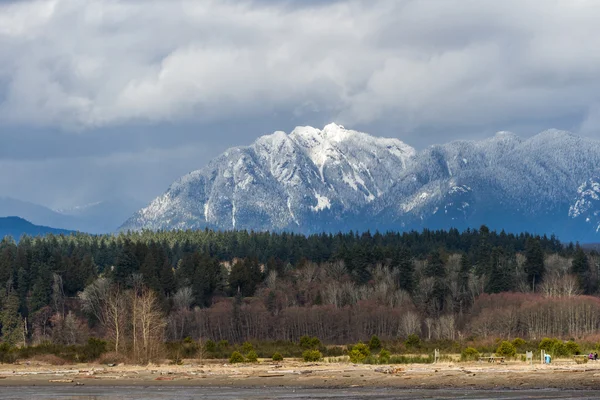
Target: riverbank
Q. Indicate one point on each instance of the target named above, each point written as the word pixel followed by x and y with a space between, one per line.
pixel 512 375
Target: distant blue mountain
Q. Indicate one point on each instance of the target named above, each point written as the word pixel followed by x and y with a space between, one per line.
pixel 100 217
pixel 16 227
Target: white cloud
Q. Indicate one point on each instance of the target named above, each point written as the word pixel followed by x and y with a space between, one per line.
pixel 82 65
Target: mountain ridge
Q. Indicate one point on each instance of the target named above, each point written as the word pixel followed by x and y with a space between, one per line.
pixel 16 227
pixel 98 217
pixel 331 179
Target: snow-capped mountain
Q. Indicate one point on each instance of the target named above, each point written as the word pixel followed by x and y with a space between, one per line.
pixel 337 179
pixel 306 181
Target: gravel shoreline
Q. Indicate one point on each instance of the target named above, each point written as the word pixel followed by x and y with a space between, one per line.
pixel 566 375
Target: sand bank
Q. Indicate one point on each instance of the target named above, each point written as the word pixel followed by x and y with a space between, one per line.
pixel 512 375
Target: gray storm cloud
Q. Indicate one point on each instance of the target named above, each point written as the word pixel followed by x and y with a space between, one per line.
pixel 85 65
pixel 426 71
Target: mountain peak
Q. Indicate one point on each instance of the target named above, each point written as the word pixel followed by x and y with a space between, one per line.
pixel 316 137
pixel 336 132
pixel 330 179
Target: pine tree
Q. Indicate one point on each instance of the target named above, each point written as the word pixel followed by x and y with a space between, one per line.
pixel 534 264
pixel 167 279
pixel 500 276
pixel 126 265
pixel 41 293
pixel 406 270
pixel 581 269
pixel 7 258
pixel 435 266
pixel 12 322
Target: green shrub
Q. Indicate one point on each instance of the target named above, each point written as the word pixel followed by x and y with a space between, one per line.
pixel 518 342
pixel 247 347
pixel 359 353
pixel 506 349
pixel 384 356
pixel 370 360
pixel 356 356
pixel 410 360
pixel 236 357
pixel 559 349
pixel 374 343
pixel 311 355
pixel 308 342
pixel 94 349
pixel 572 347
pixel 412 341
pixel 7 355
pixel 210 346
pixel 252 356
pixel 469 354
pixel 277 357
pixel 546 344
pixel 223 344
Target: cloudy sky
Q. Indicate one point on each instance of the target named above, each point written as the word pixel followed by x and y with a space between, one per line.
pixel 103 99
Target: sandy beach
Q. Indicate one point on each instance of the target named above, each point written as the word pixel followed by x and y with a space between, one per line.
pixel 512 375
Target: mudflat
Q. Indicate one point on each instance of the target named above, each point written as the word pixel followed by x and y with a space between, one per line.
pixel 511 375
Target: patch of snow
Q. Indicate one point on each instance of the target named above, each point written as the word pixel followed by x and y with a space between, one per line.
pixel 322 203
pixel 233 210
pixel 415 202
pixel 459 189
pixel 289 205
pixel 349 181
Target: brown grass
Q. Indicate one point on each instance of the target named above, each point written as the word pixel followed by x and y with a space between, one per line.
pixel 113 358
pixel 48 359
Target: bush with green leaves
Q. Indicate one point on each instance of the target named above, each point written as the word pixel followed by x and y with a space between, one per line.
pixel 223 344
pixel 359 353
pixel 572 347
pixel 7 355
pixel 247 347
pixel 384 356
pixel 506 349
pixel 546 344
pixel 236 357
pixel 374 343
pixel 252 356
pixel 412 342
pixel 560 349
pixel 277 357
pixel 210 346
pixel 312 355
pixel 308 342
pixel 469 354
pixel 518 342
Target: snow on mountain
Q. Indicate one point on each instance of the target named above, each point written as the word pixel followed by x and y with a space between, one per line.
pixel 306 181
pixel 330 179
pixel 587 203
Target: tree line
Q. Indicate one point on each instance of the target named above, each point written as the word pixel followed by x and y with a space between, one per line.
pixel 138 289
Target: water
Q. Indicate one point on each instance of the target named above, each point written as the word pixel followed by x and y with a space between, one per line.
pixel 187 393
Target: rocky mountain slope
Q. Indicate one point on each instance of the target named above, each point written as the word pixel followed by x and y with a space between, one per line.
pixel 337 179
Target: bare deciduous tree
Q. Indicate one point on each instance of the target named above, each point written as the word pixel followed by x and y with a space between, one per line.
pixel 151 325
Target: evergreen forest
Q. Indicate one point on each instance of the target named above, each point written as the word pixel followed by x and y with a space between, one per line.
pixel 139 291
